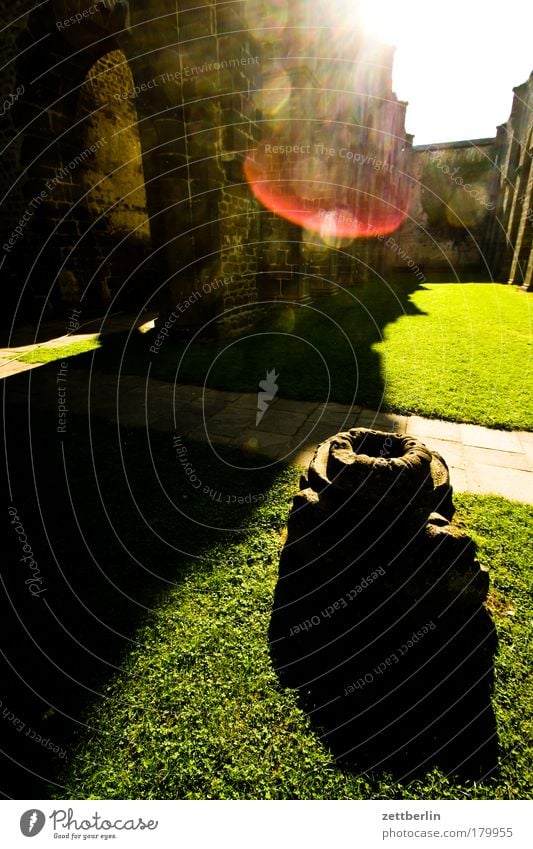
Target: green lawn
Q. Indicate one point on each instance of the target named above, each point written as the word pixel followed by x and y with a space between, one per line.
pixel 198 713
pixel 460 352
pixel 45 354
pixel 161 596
pixel 467 358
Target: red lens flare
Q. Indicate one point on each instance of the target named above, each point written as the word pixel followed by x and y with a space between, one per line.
pixel 339 194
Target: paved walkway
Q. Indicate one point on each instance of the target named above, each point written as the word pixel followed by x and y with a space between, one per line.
pixel 481 460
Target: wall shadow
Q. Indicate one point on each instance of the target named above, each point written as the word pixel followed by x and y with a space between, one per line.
pixel 108 522
pixel 323 350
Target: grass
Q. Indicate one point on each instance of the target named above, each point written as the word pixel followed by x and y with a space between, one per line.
pixel 197 712
pixel 459 352
pixel 466 358
pixel 152 647
pixel 44 354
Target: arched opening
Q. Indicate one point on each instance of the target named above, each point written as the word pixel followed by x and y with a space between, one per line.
pixel 112 183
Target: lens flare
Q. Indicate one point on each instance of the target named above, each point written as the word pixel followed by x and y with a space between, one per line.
pixel 266 20
pixel 275 95
pixel 330 194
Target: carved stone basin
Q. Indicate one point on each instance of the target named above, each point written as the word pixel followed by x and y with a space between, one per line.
pixel 378 617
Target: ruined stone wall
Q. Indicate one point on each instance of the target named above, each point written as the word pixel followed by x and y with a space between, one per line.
pixel 346 130
pixel 126 133
pixel 451 206
pixel 509 237
pixel 51 250
pixel 112 181
pixel 12 204
pixel 196 68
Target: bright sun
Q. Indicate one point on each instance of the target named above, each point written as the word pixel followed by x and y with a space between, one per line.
pixel 455 64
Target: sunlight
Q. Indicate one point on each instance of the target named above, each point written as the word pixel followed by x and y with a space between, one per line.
pixel 448 59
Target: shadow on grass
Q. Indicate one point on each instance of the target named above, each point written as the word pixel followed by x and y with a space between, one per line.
pixel 107 521
pixel 110 520
pixel 322 351
pixel 434 709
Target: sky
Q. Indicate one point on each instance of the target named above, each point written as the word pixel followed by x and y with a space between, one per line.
pixel 456 62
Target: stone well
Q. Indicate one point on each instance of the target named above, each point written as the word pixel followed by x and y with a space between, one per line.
pixel 378 617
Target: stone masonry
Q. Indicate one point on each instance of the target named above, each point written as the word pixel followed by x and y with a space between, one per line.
pixel 126 130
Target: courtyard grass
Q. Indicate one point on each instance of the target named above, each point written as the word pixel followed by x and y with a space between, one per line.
pixel 197 712
pixel 45 354
pixel 460 352
pixel 467 357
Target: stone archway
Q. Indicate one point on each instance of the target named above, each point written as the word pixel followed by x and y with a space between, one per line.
pixel 50 259
pixel 113 200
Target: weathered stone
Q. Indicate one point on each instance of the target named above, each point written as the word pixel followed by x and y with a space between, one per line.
pixel 379 606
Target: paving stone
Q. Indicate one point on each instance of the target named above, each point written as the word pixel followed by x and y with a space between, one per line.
pixel 480 459
pixel 220 440
pixel 246 401
pixel 230 422
pixel 279 422
pixel 309 435
pixel 335 412
pixel 186 393
pixel 133 418
pixel 458 479
pixel 10 367
pixel 382 421
pixel 198 433
pixel 490 457
pixel 166 425
pixel 302 456
pixel 263 442
pixel 184 422
pixel 510 483
pixel 330 425
pixel 152 388
pixel 453 452
pixel 526 441
pixel 482 437
pixel 207 408
pixel 212 395
pixel 434 429
pixel 304 408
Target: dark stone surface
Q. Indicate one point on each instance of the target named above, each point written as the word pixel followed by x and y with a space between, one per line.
pixel 378 616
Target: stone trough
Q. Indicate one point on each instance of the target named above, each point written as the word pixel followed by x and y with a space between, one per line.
pixel 378 617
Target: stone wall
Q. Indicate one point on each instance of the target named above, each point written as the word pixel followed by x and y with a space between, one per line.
pixel 509 237
pixel 112 181
pixel 196 68
pixel 57 233
pixel 12 205
pixel 328 97
pixel 451 206
pixel 126 134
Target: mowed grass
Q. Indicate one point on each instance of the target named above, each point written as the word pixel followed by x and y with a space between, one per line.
pixel 44 354
pixel 460 352
pixel 197 712
pixel 466 357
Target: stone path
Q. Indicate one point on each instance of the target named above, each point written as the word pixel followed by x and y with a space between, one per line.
pixel 481 460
